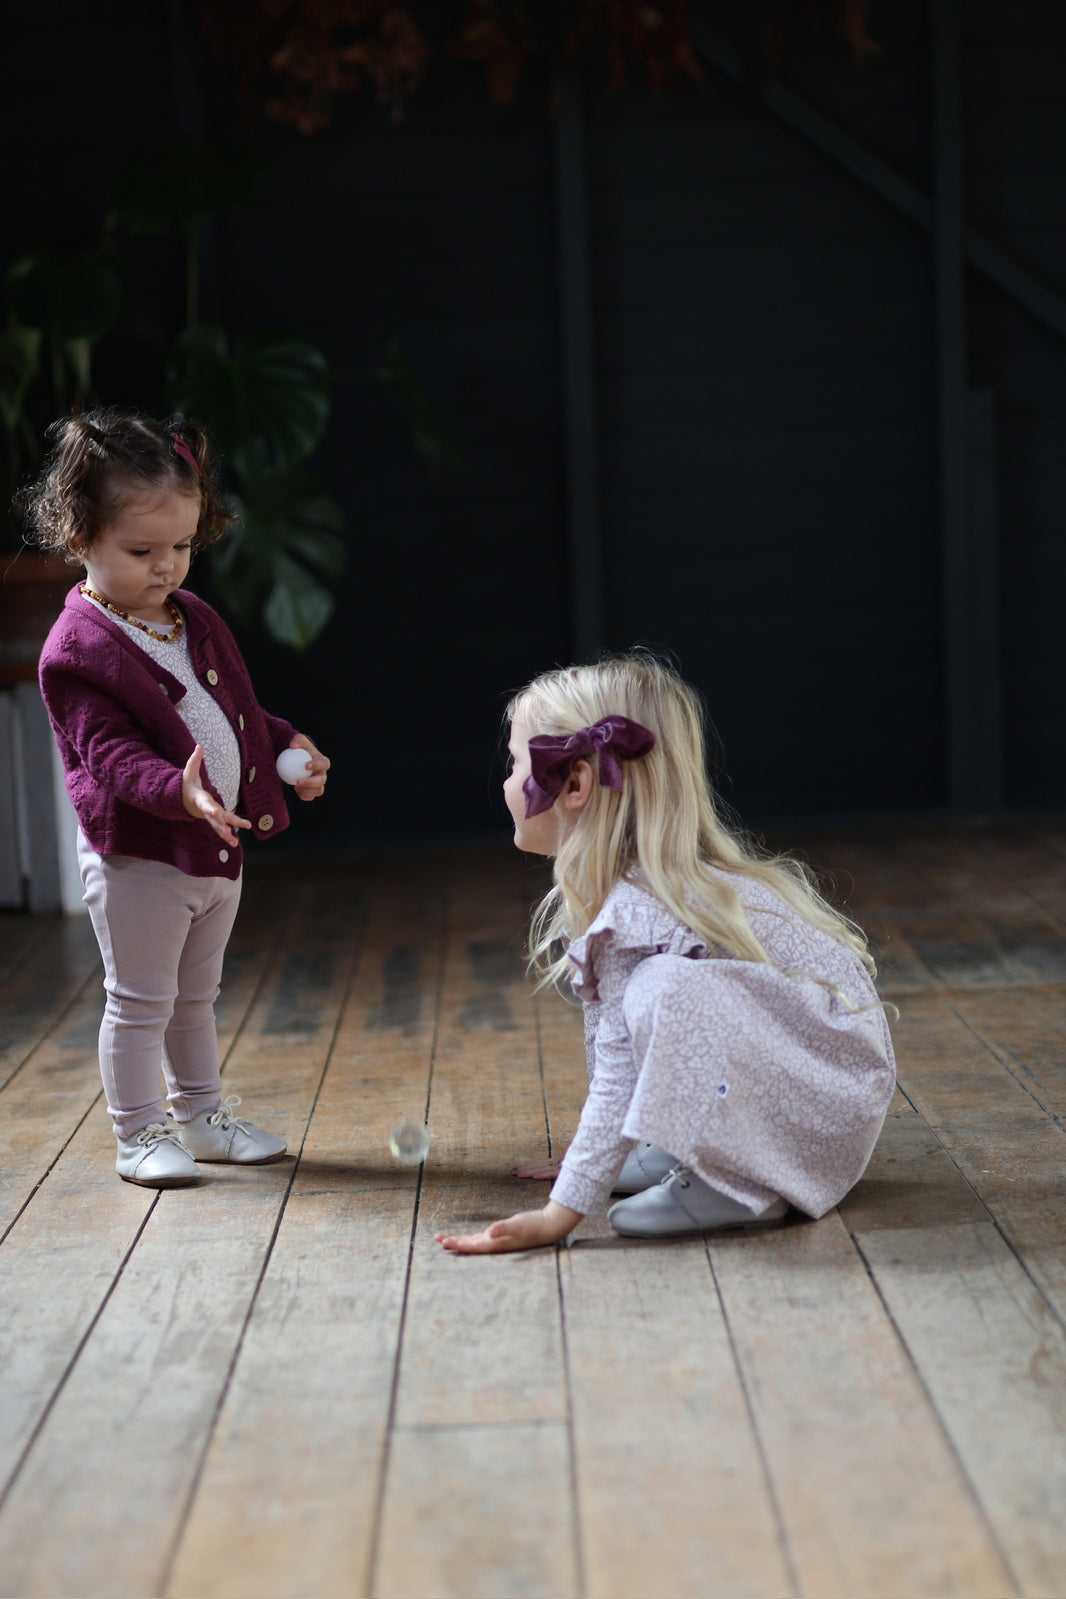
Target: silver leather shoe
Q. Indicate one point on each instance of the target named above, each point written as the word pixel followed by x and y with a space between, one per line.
pixel 645 1166
pixel 219 1135
pixel 683 1204
pixel 154 1159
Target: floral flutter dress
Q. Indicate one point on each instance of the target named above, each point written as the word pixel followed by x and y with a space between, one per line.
pixel 767 1079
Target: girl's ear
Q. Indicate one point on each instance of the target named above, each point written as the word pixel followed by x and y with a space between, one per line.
pixel 579 785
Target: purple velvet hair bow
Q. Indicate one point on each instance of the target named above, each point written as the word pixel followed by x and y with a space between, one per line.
pixel 551 757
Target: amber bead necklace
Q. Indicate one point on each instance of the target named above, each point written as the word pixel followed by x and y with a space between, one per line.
pixel 135 621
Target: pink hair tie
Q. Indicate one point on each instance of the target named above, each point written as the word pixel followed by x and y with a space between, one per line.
pixel 179 446
pixel 551 757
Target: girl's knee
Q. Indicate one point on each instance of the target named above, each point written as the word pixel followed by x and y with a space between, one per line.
pixel 658 982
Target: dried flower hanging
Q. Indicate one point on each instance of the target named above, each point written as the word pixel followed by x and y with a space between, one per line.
pixel 293 59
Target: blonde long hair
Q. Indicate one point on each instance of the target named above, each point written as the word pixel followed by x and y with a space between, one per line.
pixel 664 823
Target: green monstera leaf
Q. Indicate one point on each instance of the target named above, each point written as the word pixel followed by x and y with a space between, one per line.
pixel 72 294
pixel 265 402
pixel 426 427
pixel 277 564
pixel 20 358
pixel 166 182
pixel 298 606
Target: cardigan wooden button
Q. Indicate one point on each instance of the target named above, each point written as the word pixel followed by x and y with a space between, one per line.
pixel 164 688
pixel 223 854
pixel 240 722
pixel 212 677
pixel 266 823
pixel 251 775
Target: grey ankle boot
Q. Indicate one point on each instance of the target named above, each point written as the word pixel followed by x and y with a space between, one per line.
pixel 646 1165
pixel 683 1203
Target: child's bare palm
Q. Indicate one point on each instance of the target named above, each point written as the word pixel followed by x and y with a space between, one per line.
pixel 199 803
pixel 529 1229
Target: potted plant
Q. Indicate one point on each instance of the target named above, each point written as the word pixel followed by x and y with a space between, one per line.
pixel 265 397
pixel 60 301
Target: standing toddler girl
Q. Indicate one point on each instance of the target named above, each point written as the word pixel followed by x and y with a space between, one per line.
pixel 168 758
pixel 739 1060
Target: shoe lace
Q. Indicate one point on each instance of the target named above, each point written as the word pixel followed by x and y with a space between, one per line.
pixel 156 1133
pixel 681 1172
pixel 223 1117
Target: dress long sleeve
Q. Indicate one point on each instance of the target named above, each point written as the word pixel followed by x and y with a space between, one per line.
pixel 599 1148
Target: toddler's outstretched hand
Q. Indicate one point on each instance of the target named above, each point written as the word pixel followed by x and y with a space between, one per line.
pixel 529 1229
pixel 198 801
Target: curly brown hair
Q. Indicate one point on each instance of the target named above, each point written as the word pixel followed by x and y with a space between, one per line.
pixel 102 461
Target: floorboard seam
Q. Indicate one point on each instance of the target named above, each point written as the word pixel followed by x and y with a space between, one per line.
pixel 52 1026
pixel 75 1357
pixel 529 1424
pixel 571 1439
pixel 989 1215
pixel 50 1168
pixel 1054 992
pixel 997 1053
pixel 374 1550
pixel 253 999
pixel 939 1421
pixel 795 1587
pixel 197 1476
pixel 11 970
pixel 1023 888
pixel 1048 910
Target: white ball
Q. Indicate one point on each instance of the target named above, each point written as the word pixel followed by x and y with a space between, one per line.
pixel 409 1143
pixel 292 765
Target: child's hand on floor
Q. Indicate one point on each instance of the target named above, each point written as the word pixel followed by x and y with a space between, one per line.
pixel 529 1229
pixel 540 1170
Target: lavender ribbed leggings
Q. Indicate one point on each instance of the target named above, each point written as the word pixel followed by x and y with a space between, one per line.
pixel 162 935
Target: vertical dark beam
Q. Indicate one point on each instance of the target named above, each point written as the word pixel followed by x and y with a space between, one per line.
pixel 581 435
pixel 190 118
pixel 983 531
pixel 189 114
pixel 950 290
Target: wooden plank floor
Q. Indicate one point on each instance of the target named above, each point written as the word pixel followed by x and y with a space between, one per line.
pixel 276 1386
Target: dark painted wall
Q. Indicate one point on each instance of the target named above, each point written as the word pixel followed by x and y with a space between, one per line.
pixel 1016 192
pixel 764 343
pixel 764 339
pixel 456 591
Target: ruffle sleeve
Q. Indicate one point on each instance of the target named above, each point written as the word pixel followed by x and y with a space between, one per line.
pixel 631 919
